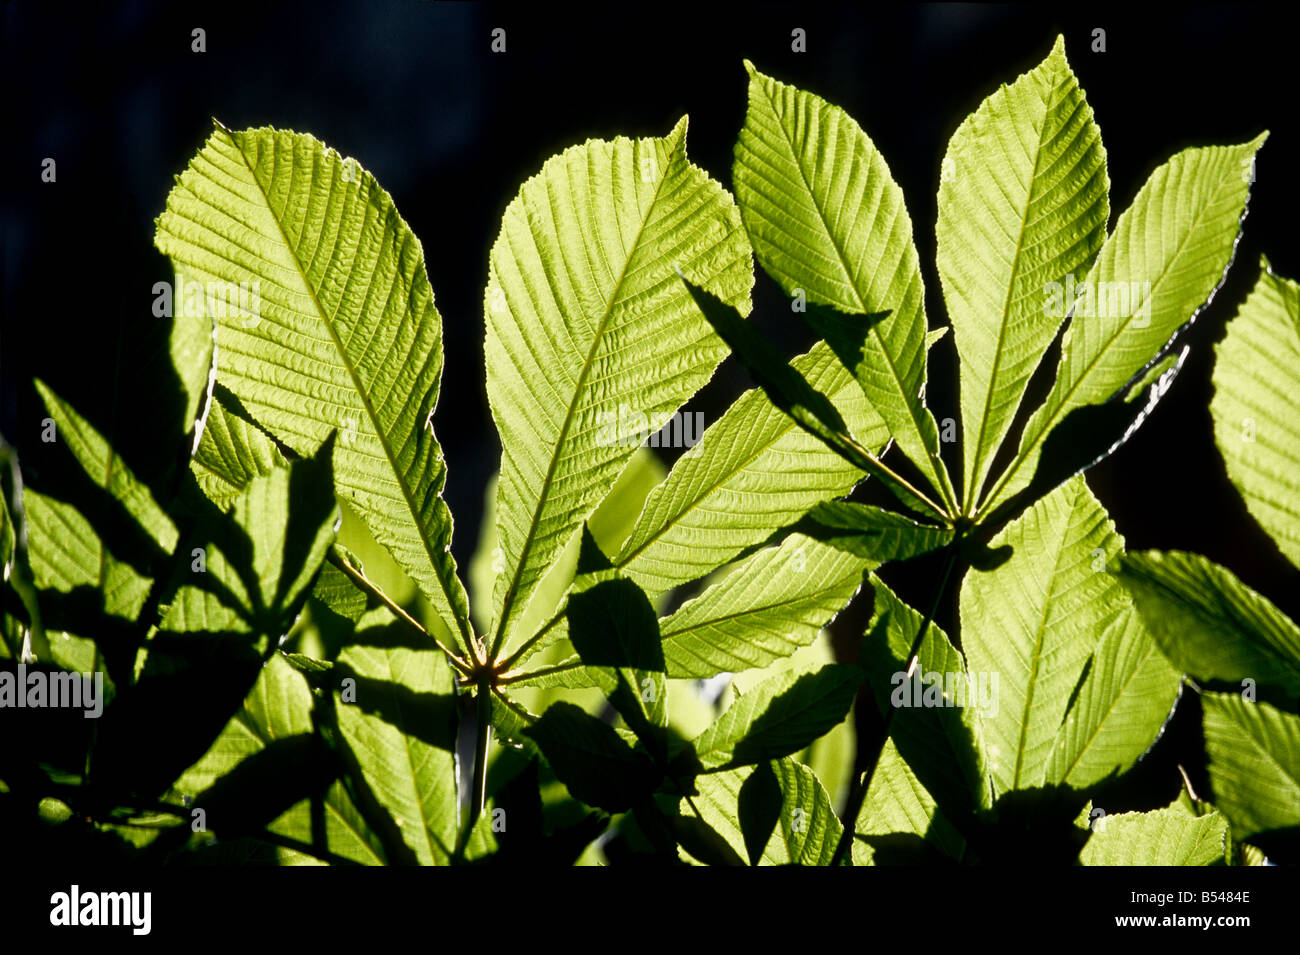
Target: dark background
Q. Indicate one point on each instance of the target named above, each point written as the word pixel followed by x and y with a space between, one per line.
pixel 115 95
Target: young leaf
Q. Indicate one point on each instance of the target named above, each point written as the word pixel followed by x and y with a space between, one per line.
pixel 1035 621
pixel 1169 836
pixel 1254 763
pixel 1210 624
pixel 779 717
pixel 753 472
pixel 275 720
pixel 232 451
pixel 335 328
pixel 586 318
pixel 396 712
pixel 766 607
pixel 1128 694
pixel 1022 204
pixel 898 806
pixel 790 392
pixel 591 759
pixel 1167 255
pixel 776 813
pixel 1256 383
pixel 827 220
pixel 937 706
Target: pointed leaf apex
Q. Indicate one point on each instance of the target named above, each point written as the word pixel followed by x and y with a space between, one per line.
pixel 750 68
pixel 678 133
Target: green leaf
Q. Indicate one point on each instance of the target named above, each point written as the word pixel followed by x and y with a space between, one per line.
pixel 1022 204
pixel 1210 624
pixel 1169 836
pixel 232 451
pixel 118 559
pixel 1128 694
pixel 1036 620
pixel 278 711
pixel 334 328
pixel 790 391
pixel 753 472
pixel 615 631
pixel 878 535
pixel 775 813
pixel 937 707
pixel 1168 253
pixel 1256 381
pixel 762 608
pixel 256 567
pixel 898 804
pixel 766 607
pixel 396 712
pixel 591 759
pixel 827 219
pixel 779 717
pixel 1254 763
pixel 587 320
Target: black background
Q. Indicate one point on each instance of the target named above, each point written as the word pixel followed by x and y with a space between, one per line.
pixel 116 96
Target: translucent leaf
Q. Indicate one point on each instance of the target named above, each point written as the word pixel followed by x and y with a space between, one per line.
pixel 827 220
pixel 397 716
pixel 753 472
pixel 275 716
pixel 1209 623
pixel 1254 763
pixel 1022 204
pixel 1170 836
pixel 588 325
pixel 1167 255
pixel 1256 381
pixel 1035 621
pixel 1116 716
pixel 779 717
pixel 325 321
pixel 776 813
pixel 937 707
pixel 898 804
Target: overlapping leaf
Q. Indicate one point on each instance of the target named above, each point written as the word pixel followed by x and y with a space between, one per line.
pixel 1022 205
pixel 325 321
pixel 1168 253
pixel 827 220
pixel 586 320
pixel 397 713
pixel 1256 389
pixel 1209 623
pixel 1170 836
pixel 1035 621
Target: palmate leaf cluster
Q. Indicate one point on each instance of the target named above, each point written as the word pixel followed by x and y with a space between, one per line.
pixel 324 653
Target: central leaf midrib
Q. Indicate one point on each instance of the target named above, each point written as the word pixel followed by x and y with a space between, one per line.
pixel 785 428
pixel 510 602
pixel 971 491
pixel 1039 638
pixel 874 330
pixel 380 433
